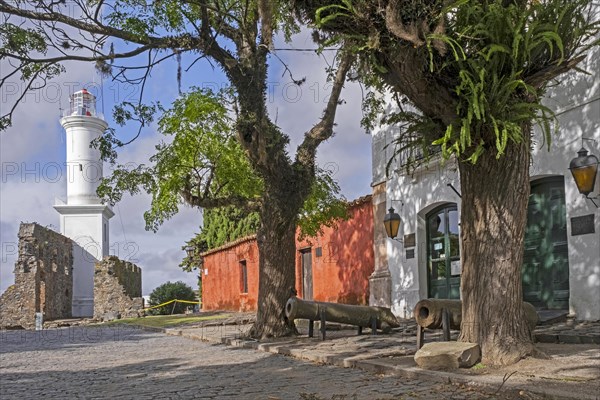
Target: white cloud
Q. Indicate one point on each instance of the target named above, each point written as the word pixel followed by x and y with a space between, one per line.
pixel 297 109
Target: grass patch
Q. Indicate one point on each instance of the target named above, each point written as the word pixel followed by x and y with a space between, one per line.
pixel 478 366
pixel 164 321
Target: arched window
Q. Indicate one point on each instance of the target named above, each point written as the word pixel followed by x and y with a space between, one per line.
pixel 443 252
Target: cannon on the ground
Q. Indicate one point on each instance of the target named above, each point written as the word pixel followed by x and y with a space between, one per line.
pixel 360 316
pixel 447 314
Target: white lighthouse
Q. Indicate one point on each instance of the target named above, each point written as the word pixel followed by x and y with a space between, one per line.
pixel 83 218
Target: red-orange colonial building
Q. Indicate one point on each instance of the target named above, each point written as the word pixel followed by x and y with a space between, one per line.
pixel 334 266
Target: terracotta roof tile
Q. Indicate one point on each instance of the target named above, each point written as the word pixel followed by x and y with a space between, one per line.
pixel 229 244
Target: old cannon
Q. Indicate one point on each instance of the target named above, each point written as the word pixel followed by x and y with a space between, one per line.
pixel 447 314
pixel 360 316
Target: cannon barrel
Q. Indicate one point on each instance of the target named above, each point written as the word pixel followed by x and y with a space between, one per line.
pixel 428 313
pixel 340 313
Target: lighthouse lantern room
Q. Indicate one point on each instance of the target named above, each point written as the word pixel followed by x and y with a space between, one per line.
pixel 82 103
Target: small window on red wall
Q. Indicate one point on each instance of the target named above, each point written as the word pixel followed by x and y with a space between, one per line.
pixel 244 276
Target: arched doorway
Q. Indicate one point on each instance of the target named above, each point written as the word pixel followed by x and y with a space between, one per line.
pixel 443 252
pixel 546 261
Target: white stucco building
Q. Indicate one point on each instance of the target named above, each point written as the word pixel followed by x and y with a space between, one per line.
pixel 562 255
pixel 82 217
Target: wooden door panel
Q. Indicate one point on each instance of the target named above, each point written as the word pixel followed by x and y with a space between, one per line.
pixel 307 278
pixel 545 269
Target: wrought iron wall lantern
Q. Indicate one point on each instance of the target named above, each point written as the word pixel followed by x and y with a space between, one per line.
pixel 392 222
pixel 584 169
pixel 195 258
pixel 190 250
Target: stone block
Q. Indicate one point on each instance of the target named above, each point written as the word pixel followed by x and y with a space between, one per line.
pixel 569 339
pixel 586 339
pixel 448 355
pixel 111 316
pixel 546 338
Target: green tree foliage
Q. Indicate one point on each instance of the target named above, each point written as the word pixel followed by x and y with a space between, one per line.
pixel 324 207
pixel 171 291
pixel 502 61
pixel 201 156
pixel 220 226
pixel 493 59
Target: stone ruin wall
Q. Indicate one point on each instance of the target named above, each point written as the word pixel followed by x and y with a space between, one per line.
pixel 44 282
pixel 117 289
pixel 43 278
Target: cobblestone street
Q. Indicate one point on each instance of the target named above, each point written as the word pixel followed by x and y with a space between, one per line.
pixel 127 363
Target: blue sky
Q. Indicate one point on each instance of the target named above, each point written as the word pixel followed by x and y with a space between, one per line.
pixel 32 153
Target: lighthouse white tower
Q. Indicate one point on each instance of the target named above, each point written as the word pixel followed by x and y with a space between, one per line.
pixel 83 218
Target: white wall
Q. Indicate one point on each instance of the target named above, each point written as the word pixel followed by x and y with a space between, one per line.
pixel 83 279
pixel 577 104
pixel 412 197
pixel 84 166
pixel 415 196
pixel 86 232
pixel 84 224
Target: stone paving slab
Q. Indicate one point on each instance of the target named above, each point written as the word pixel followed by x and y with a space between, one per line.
pixel 393 354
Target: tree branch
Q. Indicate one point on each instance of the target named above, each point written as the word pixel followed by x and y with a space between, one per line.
pixel 407 75
pixel 323 130
pixel 48 22
pixel 5 119
pixel 183 42
pixel 206 202
pixel 543 76
pixel 51 16
pixel 72 57
pixel 393 22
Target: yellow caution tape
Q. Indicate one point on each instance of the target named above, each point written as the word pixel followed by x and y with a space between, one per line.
pixel 187 301
pixel 170 301
pixel 160 305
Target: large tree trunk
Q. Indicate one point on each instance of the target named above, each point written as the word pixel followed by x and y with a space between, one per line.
pixel 277 268
pixel 287 185
pixel 495 193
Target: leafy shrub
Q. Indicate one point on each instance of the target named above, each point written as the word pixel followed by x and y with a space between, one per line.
pixel 170 291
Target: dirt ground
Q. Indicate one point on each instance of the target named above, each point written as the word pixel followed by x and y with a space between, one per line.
pixel 570 370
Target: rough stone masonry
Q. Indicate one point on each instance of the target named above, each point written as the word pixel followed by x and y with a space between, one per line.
pixel 44 282
pixel 43 278
pixel 117 289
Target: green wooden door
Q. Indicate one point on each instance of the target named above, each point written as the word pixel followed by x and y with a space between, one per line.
pixel 443 254
pixel 546 262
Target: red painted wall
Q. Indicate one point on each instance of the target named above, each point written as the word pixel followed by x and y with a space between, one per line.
pixel 340 274
pixel 222 284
